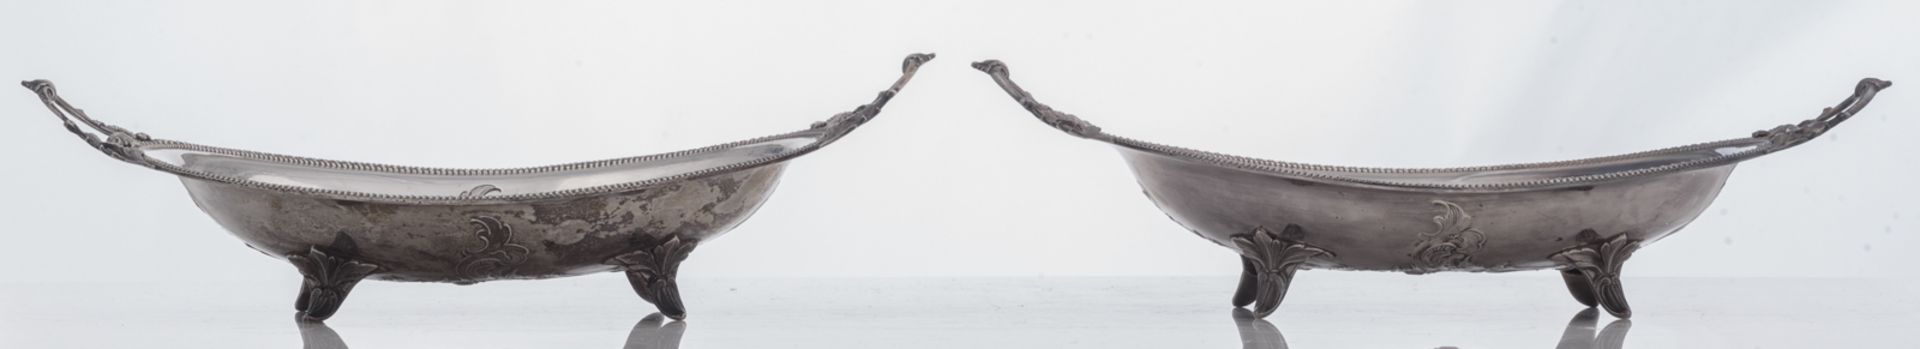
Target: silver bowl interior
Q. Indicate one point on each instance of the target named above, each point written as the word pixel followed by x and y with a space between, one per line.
pixel 421 185
pixel 408 181
pixel 1500 178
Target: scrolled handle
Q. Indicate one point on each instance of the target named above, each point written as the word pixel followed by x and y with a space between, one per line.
pixel 1789 135
pixel 119 143
pixel 1059 120
pixel 841 124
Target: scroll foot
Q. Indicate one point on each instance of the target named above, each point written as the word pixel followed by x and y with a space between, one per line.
pixel 651 271
pixel 1274 258
pixel 326 280
pixel 1249 284
pixel 1596 266
pixel 1582 289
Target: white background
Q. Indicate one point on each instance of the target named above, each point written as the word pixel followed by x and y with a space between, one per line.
pixel 954 179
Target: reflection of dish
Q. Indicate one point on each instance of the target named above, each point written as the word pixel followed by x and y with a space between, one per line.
pixel 1579 334
pixel 316 335
pixel 1584 217
pixel 650 333
pixel 653 332
pixel 1256 333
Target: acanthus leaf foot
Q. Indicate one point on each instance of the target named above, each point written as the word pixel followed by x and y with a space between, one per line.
pixel 1599 263
pixel 1275 257
pixel 651 271
pixel 327 278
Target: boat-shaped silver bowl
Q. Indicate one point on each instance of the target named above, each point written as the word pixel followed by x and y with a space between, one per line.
pixel 340 222
pixel 1583 217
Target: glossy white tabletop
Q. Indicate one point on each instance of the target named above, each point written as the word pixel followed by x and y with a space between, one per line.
pixel 1324 310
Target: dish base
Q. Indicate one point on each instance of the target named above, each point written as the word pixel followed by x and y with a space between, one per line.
pixel 1269 261
pixel 329 273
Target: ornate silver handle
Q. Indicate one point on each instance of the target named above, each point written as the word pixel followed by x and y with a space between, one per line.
pixel 1789 135
pixel 1059 120
pixel 843 123
pixel 119 143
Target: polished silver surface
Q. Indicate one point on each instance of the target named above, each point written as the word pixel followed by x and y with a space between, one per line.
pixel 1584 217
pixel 340 222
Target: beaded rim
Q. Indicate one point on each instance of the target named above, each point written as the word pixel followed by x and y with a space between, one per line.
pixel 1332 173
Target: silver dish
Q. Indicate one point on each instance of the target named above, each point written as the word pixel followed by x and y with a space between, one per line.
pixel 1583 217
pixel 340 222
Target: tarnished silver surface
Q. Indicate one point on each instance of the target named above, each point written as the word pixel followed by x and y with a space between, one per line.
pixel 339 222
pixel 1584 216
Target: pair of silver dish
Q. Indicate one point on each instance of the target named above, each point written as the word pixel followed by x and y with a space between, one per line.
pixel 341 222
